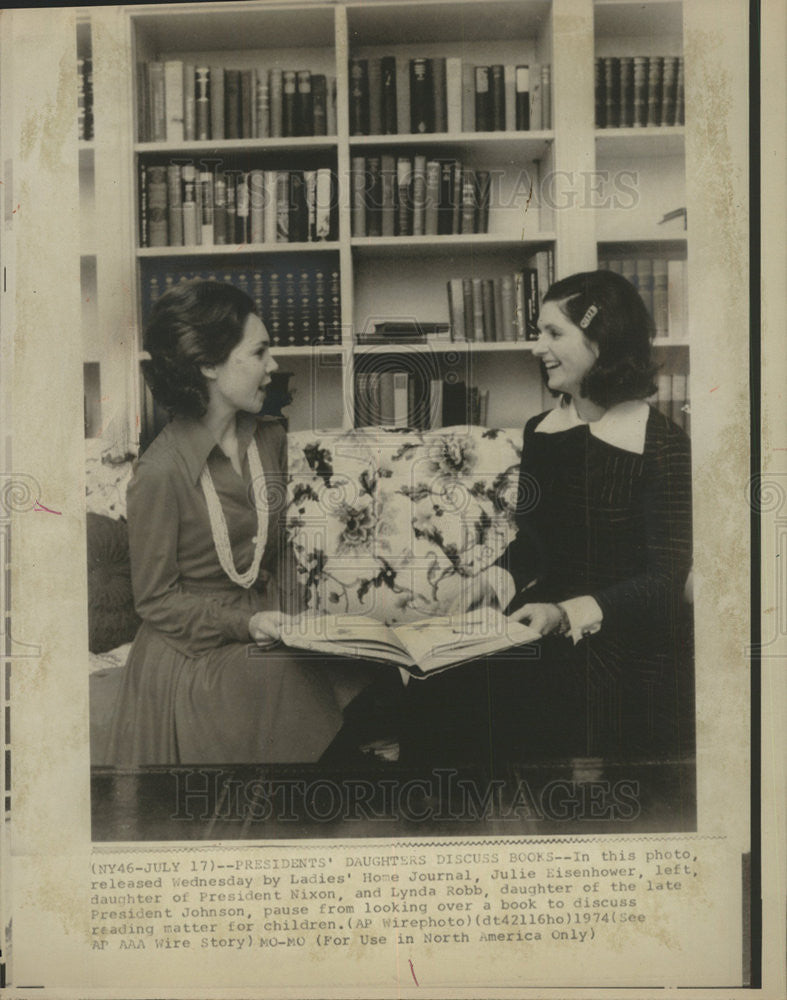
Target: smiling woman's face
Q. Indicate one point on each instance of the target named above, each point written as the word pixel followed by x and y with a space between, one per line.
pixel 565 351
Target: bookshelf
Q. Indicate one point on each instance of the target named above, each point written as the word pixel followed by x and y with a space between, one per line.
pixel 565 186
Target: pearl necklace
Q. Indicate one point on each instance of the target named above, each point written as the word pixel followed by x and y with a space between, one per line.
pixel 218 524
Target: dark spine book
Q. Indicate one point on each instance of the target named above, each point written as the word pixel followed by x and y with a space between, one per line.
pixel 655 77
pixel 421 96
pixel 488 306
pixel 202 102
pixel 483 103
pixel 334 308
pixel 319 104
pixel 601 93
pixel 88 124
pixel 174 206
pixel 274 322
pixel 143 205
pixel 282 207
pixel 305 312
pixel 375 95
pixel 626 92
pixel 373 191
pixel 220 210
pixel 229 219
pixel 483 183
pixel 320 307
pixel 455 404
pixel 467 301
pixel 456 199
pixel 299 213
pixel 497 89
pixel 404 201
pixel 669 92
pixel 242 208
pixel 440 98
pixel 522 90
pixel 247 100
pixel 680 109
pixel 612 87
pixel 258 294
pixel 143 101
pixel 232 119
pixel 388 109
pixel 289 126
pixel 359 97
pixel 290 307
pixel 532 307
pixel 640 98
pixel 387 195
pixel 157 206
pixel 304 108
pixel 445 205
pixel 469 205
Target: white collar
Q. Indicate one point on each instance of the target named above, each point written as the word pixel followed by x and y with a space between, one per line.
pixel 622 426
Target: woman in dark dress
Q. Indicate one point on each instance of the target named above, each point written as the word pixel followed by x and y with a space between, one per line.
pixel 599 563
pixel 206 680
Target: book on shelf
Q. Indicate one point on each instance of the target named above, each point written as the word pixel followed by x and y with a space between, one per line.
pixel 422 648
pixel 500 309
pixel 179 101
pixel 522 98
pixel 639 91
pixel 294 303
pixel 483 100
pixel 388 96
pixel 234 206
pixel 672 398
pixel 422 96
pixel 359 97
pixel 405 332
pixel 662 285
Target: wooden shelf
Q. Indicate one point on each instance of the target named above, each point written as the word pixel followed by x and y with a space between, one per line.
pixel 237 249
pixel 508 145
pixel 443 347
pixel 394 246
pixel 318 143
pixel 654 141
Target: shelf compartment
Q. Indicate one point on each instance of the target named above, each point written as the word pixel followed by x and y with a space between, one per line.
pixel 629 19
pixel 416 24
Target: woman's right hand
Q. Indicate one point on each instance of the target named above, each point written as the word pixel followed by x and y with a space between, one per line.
pixel 265 627
pixel 492 588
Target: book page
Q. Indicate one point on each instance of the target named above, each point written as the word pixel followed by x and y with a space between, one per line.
pixel 584 880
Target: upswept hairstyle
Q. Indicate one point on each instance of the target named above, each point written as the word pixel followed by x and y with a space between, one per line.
pixel 621 328
pixel 193 324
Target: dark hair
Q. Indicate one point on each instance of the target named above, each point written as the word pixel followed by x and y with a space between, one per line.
pixel 195 323
pixel 620 327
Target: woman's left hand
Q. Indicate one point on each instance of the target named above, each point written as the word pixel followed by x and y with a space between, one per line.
pixel 265 627
pixel 544 618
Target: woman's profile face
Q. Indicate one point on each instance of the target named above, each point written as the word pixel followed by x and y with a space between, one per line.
pixel 564 350
pixel 239 382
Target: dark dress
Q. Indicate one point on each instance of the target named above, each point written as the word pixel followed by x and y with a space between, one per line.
pixel 597 520
pixel 196 690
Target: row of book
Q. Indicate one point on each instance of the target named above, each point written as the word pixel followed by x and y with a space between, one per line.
pixel 85 99
pixel 181 204
pixel 417 196
pixel 392 95
pixel 639 91
pixel 503 309
pixel 672 398
pixel 663 287
pixel 407 399
pixel 299 305
pixel 179 101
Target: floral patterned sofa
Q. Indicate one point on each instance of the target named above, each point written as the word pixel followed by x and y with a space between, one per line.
pixel 383 521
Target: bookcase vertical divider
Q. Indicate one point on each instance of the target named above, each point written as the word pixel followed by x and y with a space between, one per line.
pixel 575 154
pixel 343 194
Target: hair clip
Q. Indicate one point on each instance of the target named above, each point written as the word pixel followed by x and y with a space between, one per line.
pixel 587 319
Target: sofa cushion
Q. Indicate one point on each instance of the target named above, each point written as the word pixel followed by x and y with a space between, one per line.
pixel 390 523
pixel 112 619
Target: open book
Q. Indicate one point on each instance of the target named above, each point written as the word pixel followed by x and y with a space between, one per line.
pixel 422 647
